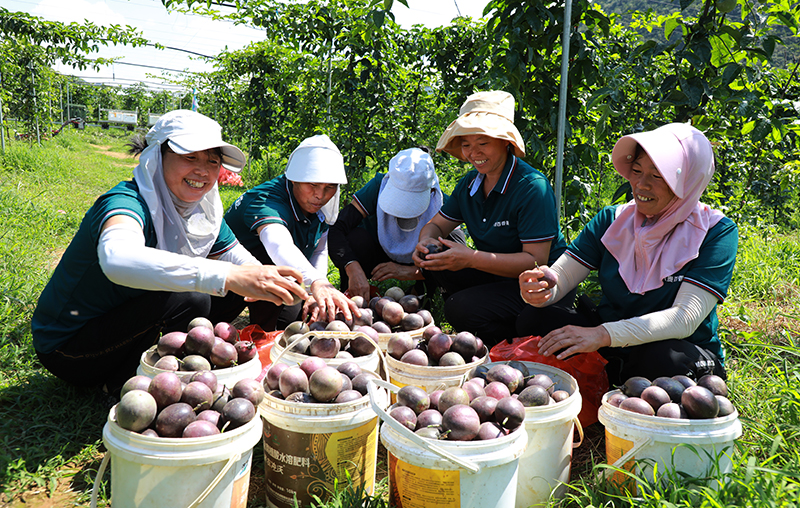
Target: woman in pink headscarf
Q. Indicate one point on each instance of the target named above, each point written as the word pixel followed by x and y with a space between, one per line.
pixel 664 262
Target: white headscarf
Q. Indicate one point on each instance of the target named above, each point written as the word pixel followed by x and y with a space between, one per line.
pixel 183 228
pixel 318 160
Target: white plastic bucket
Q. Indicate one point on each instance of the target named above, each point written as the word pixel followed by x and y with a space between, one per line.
pixel 651 439
pixel 546 464
pixel 309 446
pixel 227 376
pixel 450 474
pixel 206 472
pixel 429 378
pixel 370 362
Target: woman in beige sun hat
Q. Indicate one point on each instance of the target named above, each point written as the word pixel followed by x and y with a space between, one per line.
pixel 509 210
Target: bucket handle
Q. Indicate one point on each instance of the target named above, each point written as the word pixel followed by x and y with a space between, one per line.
pixel 406 432
pixel 620 462
pixel 580 433
pixel 200 499
pixel 381 356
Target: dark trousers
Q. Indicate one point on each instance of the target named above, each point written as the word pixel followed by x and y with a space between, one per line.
pixel 484 304
pixel 655 359
pixel 370 254
pixel 264 314
pixel 108 348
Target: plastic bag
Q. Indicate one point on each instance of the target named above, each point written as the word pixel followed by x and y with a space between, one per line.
pixel 588 369
pixel 263 341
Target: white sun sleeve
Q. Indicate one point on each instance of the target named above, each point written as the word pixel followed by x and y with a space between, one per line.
pixel 281 249
pixel 127 261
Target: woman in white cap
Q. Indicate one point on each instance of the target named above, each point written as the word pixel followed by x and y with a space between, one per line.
pixel 509 210
pixel 148 257
pixel 664 262
pixel 285 221
pixel 377 232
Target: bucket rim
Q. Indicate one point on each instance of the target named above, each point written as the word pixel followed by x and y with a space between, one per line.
pixel 225 372
pixel 455 370
pixel 307 409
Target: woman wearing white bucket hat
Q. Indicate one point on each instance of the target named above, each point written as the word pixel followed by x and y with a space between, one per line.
pixel 285 221
pixel 377 232
pixel 664 261
pixel 509 210
pixel 148 257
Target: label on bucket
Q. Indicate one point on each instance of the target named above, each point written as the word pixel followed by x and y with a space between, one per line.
pixel 241 483
pixel 413 486
pixel 301 465
pixel 616 447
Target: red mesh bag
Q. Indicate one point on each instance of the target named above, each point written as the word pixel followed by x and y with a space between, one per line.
pixel 588 369
pixel 263 341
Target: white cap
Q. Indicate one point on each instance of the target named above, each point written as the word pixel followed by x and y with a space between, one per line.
pixel 411 177
pixel 189 131
pixel 316 160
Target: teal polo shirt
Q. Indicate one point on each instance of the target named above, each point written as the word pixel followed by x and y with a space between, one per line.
pixel 520 209
pixel 712 270
pixel 79 291
pixel 273 202
pixel 367 197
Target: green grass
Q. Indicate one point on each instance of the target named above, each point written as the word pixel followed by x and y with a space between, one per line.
pixel 50 441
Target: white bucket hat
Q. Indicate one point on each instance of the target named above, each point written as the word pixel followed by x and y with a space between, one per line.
pixel 490 113
pixel 188 131
pixel 318 160
pixel 411 177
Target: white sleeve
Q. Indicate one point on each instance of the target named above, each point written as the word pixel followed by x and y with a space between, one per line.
pixel 239 255
pixel 319 258
pixel 692 305
pixel 126 261
pixel 570 273
pixel 281 249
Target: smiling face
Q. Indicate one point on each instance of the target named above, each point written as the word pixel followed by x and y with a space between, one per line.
pixel 313 196
pixel 486 154
pixel 191 176
pixel 650 192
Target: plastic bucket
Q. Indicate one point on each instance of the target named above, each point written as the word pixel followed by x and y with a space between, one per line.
pixel 429 378
pixel 307 447
pixel 450 474
pixel 546 464
pixel 699 448
pixel 383 338
pixel 228 376
pixel 207 472
pixel 370 362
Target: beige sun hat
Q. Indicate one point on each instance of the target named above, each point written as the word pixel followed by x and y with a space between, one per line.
pixel 490 113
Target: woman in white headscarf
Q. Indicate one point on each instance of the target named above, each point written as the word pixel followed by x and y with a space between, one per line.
pixel 664 262
pixel 285 221
pixel 375 235
pixel 148 257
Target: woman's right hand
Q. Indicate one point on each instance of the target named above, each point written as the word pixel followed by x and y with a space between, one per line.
pixel 533 289
pixel 357 284
pixel 265 282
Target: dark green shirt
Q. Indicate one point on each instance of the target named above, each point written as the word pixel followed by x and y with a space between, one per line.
pixel 273 202
pixel 520 209
pixel 711 270
pixel 79 291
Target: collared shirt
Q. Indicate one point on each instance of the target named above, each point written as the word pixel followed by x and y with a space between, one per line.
pixel 520 209
pixel 712 270
pixel 273 202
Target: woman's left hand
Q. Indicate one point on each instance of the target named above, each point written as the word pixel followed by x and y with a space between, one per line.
pixel 392 270
pixel 568 340
pixel 327 301
pixel 456 257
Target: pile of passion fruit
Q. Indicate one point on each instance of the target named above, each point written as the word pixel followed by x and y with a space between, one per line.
pixel 674 397
pixel 204 346
pixel 489 405
pixel 166 406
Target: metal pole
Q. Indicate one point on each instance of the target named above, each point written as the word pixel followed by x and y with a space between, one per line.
pixel 562 103
pixel 2 130
pixel 61 102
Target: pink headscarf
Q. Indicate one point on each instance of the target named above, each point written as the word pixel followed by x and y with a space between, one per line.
pixel 649 252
